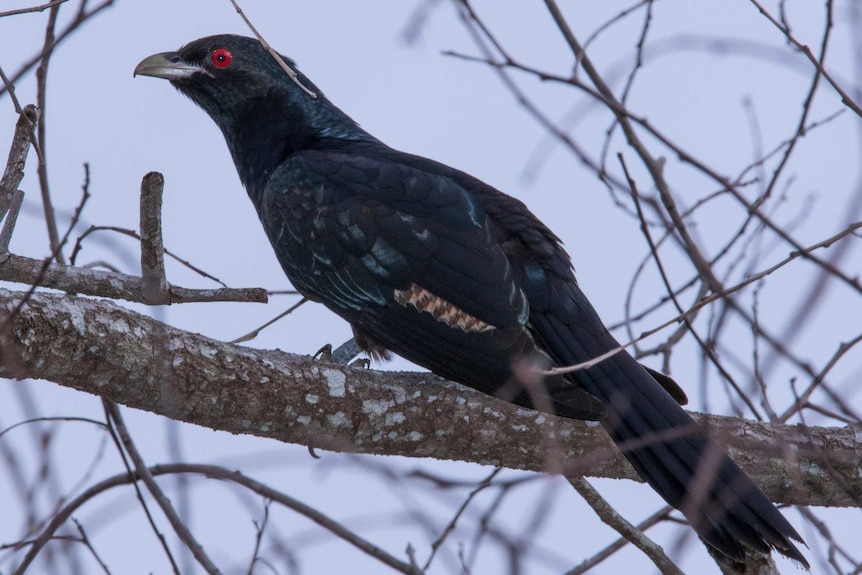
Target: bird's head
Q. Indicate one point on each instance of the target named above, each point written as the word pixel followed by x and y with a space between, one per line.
pixel 223 73
pixel 262 112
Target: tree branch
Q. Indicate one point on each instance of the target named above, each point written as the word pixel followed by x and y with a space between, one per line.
pixel 101 348
pixel 100 283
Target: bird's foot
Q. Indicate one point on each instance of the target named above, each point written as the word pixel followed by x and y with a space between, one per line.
pixel 342 355
pixel 324 353
pixel 361 363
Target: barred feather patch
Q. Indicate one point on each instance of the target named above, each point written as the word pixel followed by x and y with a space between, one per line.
pixel 442 310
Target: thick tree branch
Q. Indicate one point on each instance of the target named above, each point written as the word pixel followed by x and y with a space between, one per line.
pixel 99 347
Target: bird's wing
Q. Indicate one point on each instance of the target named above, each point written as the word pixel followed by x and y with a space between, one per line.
pixel 412 260
pixel 356 229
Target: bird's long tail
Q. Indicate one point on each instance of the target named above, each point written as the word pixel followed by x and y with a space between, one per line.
pixel 672 453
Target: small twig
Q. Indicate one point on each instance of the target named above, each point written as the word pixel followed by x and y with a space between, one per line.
pixel 287 69
pixel 79 245
pixel 594 361
pixel 222 474
pixel 254 333
pixel 588 564
pixel 42 100
pixel 86 541
pixel 450 527
pixel 802 400
pixel 259 528
pixel 154 284
pixel 6 430
pixel 143 472
pixel 818 65
pixel 41 8
pixel 610 517
pixel 708 300
pixel 707 350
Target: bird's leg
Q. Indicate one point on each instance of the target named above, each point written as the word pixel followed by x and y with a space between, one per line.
pixel 361 363
pixel 324 353
pixel 342 355
pixel 346 352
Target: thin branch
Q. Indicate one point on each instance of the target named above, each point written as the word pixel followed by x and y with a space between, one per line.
pixel 256 331
pixel 291 73
pixel 610 517
pixel 143 472
pixel 42 168
pixel 86 541
pixel 80 18
pixel 587 565
pixel 79 245
pixel 222 474
pixel 851 229
pixel 450 527
pixel 41 8
pixel 818 65
pixel 78 280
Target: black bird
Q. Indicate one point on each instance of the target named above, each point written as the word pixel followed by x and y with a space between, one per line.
pixel 430 263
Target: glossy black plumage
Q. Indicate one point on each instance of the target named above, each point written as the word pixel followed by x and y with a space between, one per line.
pixel 444 270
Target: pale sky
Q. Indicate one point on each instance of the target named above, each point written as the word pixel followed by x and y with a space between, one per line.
pixel 419 100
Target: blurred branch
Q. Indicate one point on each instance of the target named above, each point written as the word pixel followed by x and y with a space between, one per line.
pixel 101 348
pixel 817 63
pixel 81 17
pixel 41 8
pixel 221 474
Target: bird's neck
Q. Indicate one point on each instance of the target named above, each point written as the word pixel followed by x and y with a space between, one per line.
pixel 267 130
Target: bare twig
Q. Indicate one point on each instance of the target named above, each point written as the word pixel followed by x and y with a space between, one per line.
pixel 255 332
pixel 258 539
pixel 79 245
pixel 817 63
pixel 86 541
pixel 219 473
pixel 41 8
pixel 708 300
pixel 81 17
pixel 609 516
pixel 450 527
pixel 586 566
pixel 687 320
pixel 42 99
pixel 291 73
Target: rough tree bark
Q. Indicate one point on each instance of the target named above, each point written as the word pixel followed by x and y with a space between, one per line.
pixel 104 349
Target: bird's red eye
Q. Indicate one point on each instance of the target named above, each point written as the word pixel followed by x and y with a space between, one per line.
pixel 221 58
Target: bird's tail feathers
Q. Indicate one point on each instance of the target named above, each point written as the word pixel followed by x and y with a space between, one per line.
pixel 677 458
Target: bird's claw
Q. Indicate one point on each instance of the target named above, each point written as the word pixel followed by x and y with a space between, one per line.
pixel 324 353
pixel 361 363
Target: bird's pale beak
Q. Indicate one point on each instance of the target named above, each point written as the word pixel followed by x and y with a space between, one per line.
pixel 167 65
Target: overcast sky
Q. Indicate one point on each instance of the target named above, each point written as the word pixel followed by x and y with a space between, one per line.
pixel 417 99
